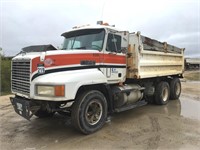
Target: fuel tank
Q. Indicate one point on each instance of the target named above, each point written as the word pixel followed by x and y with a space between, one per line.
pixel 127 94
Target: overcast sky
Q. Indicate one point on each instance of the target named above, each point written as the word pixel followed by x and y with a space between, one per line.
pixel 32 22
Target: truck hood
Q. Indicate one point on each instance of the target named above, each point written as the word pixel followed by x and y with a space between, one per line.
pixel 59 60
pixel 33 54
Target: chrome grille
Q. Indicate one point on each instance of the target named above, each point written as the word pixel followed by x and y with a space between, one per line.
pixel 21 76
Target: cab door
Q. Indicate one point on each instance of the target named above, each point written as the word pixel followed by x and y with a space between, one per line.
pixel 115 56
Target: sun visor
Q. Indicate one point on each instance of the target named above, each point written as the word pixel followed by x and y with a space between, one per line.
pixel 39 48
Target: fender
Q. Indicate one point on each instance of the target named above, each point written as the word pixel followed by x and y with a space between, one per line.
pixel 72 80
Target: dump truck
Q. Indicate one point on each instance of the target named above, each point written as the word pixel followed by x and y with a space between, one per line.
pixel 100 70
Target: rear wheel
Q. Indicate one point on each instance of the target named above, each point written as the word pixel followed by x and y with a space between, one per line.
pixel 89 111
pixel 175 88
pixel 162 93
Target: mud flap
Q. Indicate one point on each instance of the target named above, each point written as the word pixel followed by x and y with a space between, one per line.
pixel 22 107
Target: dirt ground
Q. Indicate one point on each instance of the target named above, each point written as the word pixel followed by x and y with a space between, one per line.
pixel 172 126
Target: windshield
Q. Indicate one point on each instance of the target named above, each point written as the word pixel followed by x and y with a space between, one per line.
pixel 91 39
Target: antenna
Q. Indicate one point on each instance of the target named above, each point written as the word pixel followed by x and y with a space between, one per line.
pixel 102 11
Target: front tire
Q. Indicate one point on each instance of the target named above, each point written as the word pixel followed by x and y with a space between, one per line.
pixel 89 111
pixel 162 93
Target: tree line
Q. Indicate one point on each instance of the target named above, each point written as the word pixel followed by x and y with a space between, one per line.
pixel 5 75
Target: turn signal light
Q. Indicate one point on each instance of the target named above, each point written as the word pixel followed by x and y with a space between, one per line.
pixel 59 90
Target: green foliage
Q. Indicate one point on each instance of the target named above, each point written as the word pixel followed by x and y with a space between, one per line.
pixel 5 67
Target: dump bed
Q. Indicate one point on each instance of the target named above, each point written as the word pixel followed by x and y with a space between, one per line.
pixel 147 58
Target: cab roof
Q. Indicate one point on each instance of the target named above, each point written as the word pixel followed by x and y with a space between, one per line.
pixel 76 28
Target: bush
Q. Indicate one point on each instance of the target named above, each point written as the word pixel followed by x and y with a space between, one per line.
pixel 5 75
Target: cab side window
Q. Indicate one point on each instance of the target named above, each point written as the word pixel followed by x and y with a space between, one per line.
pixel 113 43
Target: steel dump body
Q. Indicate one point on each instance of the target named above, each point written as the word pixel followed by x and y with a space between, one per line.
pixel 147 58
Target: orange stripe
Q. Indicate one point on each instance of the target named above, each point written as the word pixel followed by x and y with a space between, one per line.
pixel 73 59
pixel 116 59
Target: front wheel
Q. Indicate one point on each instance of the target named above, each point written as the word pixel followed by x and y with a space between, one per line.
pixel 89 111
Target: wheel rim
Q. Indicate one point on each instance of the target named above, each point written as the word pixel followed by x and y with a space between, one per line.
pixel 165 94
pixel 177 89
pixel 93 112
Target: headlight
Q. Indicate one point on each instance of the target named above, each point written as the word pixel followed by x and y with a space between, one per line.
pixel 50 90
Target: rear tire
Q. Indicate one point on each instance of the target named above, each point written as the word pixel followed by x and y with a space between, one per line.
pixel 89 111
pixel 162 93
pixel 175 89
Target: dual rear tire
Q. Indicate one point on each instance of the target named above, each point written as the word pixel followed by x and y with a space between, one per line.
pixel 167 90
pixel 162 93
